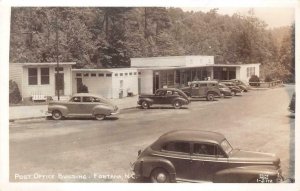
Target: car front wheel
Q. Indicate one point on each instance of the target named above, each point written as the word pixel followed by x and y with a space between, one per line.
pixel 160 175
pixel 99 117
pixel 56 115
pixel 145 105
pixel 210 97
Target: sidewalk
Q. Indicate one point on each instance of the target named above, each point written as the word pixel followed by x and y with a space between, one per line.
pixel 38 111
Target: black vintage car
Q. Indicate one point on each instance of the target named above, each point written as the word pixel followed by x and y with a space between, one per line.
pixel 234 89
pixel 203 89
pixel 170 96
pixel 203 156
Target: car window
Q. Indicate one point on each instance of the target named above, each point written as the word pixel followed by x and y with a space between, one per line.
pixel 195 85
pixel 96 99
pixel 169 93
pixel 203 85
pixel 87 99
pixel 75 99
pixel 182 147
pixel 160 93
pixel 204 149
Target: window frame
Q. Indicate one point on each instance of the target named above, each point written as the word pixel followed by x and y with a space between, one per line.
pixel 204 155
pixel 176 152
pixel 43 76
pixel 35 77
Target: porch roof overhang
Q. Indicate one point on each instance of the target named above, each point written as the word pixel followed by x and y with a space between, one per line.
pixel 92 70
pixel 186 67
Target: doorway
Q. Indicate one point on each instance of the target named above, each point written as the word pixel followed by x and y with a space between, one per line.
pixel 59 84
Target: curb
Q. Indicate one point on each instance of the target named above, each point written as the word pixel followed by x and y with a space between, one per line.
pixel 45 116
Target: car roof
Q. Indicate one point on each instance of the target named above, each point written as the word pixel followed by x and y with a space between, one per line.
pixel 169 89
pixel 87 95
pixel 189 136
pixel 211 81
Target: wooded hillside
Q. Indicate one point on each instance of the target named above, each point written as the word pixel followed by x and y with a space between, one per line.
pixel 109 37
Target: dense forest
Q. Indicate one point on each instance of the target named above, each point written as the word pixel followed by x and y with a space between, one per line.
pixel 101 37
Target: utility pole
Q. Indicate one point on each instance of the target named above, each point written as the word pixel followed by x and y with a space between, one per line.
pixel 57 61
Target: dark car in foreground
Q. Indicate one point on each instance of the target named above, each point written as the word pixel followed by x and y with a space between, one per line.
pixel 163 96
pixel 82 105
pixel 238 83
pixel 203 156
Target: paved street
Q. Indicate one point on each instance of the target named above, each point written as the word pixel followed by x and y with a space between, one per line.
pixel 87 150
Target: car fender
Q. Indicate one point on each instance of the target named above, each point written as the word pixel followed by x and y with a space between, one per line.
pixel 214 92
pixel 63 109
pixel 149 100
pixel 182 100
pixel 102 109
pixel 148 164
pixel 244 174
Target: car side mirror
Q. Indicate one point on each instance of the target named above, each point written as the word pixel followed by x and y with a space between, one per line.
pixel 139 152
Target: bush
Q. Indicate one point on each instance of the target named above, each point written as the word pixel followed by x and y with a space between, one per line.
pixel 14 93
pixel 83 89
pixel 253 79
pixel 268 78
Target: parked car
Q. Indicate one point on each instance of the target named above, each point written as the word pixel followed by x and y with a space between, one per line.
pixel 82 105
pixel 172 96
pixel 292 103
pixel 203 156
pixel 225 91
pixel 240 84
pixel 234 89
pixel 203 89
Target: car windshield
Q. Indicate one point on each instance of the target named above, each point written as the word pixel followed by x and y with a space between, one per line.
pixel 226 147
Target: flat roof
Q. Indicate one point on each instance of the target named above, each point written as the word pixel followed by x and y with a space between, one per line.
pixel 45 63
pixel 108 70
pixel 167 57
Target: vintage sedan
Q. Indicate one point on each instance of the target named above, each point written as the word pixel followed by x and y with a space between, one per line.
pixel 234 89
pixel 203 156
pixel 163 96
pixel 82 105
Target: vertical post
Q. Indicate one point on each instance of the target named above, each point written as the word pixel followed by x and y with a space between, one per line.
pixel 57 61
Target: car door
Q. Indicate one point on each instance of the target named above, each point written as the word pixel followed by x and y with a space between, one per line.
pixel 178 153
pixel 202 90
pixel 74 105
pixel 206 161
pixel 87 105
pixel 195 89
pixel 159 97
pixel 169 97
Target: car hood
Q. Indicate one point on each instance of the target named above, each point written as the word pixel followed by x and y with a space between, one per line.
pixel 254 157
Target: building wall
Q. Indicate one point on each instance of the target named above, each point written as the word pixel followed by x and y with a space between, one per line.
pixel 146 81
pixel 158 61
pixel 15 71
pixel 244 75
pixel 122 85
pixel 199 60
pixel 46 89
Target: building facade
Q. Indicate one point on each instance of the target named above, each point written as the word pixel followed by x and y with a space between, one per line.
pixel 41 78
pixel 178 71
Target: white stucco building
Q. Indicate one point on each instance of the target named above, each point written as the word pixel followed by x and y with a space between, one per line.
pixel 40 78
pixel 110 83
pixel 144 76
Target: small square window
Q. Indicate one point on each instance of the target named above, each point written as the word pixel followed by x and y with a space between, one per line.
pixel 116 74
pixel 86 74
pixel 130 73
pixel 121 74
pixel 78 75
pixel 108 75
pixel 60 69
pixel 139 73
pixel 126 74
pixel 134 73
pixel 93 74
pixel 100 74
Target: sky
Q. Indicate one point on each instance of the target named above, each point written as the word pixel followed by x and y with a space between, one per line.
pixel 274 17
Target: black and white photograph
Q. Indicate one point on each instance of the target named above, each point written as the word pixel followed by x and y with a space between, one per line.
pixel 150 94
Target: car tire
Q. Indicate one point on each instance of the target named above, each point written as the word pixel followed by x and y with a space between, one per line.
pixel 145 105
pixel 210 97
pixel 177 104
pixel 56 115
pixel 159 175
pixel 222 95
pixel 99 117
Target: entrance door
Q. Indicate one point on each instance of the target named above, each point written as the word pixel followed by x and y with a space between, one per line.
pixel 59 83
pixel 155 82
pixel 232 75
